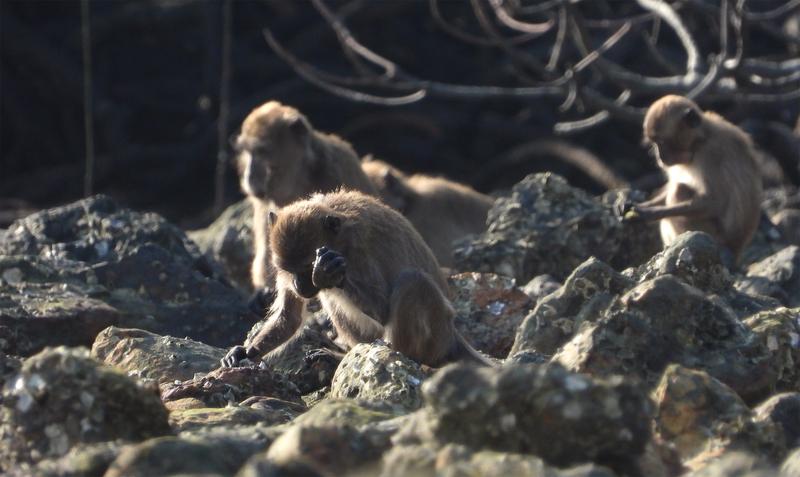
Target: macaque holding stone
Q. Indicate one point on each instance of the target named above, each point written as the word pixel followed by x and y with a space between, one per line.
pixel 713 180
pixel 374 275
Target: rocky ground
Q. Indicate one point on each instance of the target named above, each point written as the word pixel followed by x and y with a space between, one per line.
pixel 616 358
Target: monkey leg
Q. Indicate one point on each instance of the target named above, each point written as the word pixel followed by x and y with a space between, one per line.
pixel 420 319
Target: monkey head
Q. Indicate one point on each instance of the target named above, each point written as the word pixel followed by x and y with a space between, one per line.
pixel 296 233
pixel 274 151
pixel 390 182
pixel 673 126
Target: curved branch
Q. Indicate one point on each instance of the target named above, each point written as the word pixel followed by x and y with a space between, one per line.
pixel 514 24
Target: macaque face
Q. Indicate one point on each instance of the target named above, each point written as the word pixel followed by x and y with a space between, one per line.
pixel 674 136
pixel 269 168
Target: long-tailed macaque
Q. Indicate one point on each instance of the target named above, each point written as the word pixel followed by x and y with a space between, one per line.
pixel 713 181
pixel 441 210
pixel 373 273
pixel 281 158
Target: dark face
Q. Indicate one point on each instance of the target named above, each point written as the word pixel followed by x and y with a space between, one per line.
pixel 272 168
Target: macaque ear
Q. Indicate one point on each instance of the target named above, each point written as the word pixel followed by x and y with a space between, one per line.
pixel 298 125
pixel 692 118
pixel 272 217
pixel 332 223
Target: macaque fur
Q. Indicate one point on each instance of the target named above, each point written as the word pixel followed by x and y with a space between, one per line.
pixel 281 158
pixel 713 180
pixel 441 210
pixel 373 273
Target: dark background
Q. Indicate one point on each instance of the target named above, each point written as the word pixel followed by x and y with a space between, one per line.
pixel 156 85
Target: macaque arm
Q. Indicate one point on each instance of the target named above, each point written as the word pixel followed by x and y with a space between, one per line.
pixel 659 199
pixel 696 207
pixel 283 322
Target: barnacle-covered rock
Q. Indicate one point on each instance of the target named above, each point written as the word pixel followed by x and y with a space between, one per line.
pixel 375 372
pixel 150 356
pixel 783 411
pixel 489 308
pixel 61 397
pixel 777 276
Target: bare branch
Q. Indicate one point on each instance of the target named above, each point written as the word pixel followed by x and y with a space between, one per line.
pixel 514 24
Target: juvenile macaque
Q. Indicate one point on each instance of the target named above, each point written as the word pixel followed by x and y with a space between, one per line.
pixel 281 158
pixel 441 210
pixel 373 273
pixel 713 181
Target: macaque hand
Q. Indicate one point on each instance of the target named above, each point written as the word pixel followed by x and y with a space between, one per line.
pixel 329 269
pixel 234 357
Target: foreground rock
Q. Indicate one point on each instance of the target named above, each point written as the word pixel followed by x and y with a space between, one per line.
pixel 777 276
pixel 562 417
pixel 150 356
pixel 62 398
pixel 702 417
pixel 70 272
pixel 489 308
pixel 232 385
pixel 548 227
pixel 375 372
pixel 229 242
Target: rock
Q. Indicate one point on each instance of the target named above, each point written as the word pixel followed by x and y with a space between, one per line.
pixel 734 464
pixel 77 269
pixel 160 358
pixel 663 321
pixel 183 455
pixel 562 417
pixel 229 242
pixel 783 411
pixel 540 286
pixel 83 460
pixel 787 221
pixel 460 460
pixel 777 276
pixel 693 257
pixel 698 414
pixel 232 385
pixel 489 308
pixel 778 332
pixel 544 227
pixel 9 367
pixel 589 289
pixel 62 397
pixel 375 372
pixel 791 466
pixel 347 412
pixel 268 412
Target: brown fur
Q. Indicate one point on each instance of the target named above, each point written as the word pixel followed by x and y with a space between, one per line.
pixel 281 159
pixel 393 287
pixel 441 210
pixel 713 184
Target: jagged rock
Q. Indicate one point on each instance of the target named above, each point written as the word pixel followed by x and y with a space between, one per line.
pixel 562 417
pixel 777 276
pixel 787 221
pixel 585 293
pixel 662 321
pixel 489 308
pixel 421 461
pixel 734 464
pixel 347 412
pixel 72 271
pixel 232 385
pixel 83 460
pixel 693 257
pixel 545 227
pixel 150 356
pixel 229 242
pixel 268 411
pixel 540 286
pixel 9 366
pixel 783 411
pixel 375 372
pixel 699 414
pixel 184 455
pixel 62 397
pixel 791 466
pixel 778 331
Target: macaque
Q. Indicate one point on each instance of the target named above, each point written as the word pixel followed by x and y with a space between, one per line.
pixel 713 181
pixel 372 272
pixel 281 158
pixel 441 210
